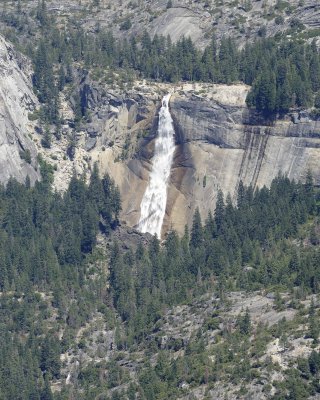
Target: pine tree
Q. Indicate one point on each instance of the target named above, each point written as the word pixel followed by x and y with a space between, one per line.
pixel 46 392
pixel 241 195
pixel 264 92
pixel 196 239
pixel 284 97
pixel 315 72
pixel 314 328
pixel 244 323
pixel 42 14
pixel 219 213
pixel 50 357
pixel 46 139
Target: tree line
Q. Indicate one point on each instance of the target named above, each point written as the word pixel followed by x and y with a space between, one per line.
pixel 284 73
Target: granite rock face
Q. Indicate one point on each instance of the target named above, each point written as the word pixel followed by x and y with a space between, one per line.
pixel 219 140
pixel 220 144
pixel 16 101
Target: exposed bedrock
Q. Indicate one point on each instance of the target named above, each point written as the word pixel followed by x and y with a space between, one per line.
pixel 17 150
pixel 221 144
pixel 218 143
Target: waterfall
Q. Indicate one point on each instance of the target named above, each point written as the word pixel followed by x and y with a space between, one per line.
pixel 153 204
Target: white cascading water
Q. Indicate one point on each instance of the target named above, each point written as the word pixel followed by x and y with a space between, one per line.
pixel 153 204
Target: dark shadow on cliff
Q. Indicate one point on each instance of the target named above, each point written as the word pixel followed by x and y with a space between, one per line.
pixel 182 167
pixel 250 116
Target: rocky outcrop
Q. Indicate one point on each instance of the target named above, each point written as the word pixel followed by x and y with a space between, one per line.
pixel 115 116
pixel 119 137
pixel 181 21
pixel 17 150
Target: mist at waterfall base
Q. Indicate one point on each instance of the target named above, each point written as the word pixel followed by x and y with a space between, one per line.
pixel 153 204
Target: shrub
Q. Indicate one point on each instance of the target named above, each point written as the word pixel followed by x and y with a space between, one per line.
pixel 279 20
pixel 26 156
pixel 126 25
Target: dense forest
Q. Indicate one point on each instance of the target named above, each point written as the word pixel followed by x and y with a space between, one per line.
pixel 48 248
pixel 236 245
pixel 47 243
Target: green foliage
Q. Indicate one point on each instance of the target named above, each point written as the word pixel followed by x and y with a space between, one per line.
pixel 294 78
pixel 196 231
pixel 314 328
pixel 50 357
pixel 46 240
pixel 284 78
pixel 244 323
pixel 301 383
pixel 26 156
pixel 317 100
pixel 44 82
pixel 126 25
pixel 234 238
pixel 33 116
pixel 46 139
pixel 204 181
pixel 279 303
pixel 279 20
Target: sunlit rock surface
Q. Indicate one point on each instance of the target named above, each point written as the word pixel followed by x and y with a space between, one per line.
pixel 17 100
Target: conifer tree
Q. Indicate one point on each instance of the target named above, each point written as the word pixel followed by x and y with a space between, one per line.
pixel 219 213
pixel 196 238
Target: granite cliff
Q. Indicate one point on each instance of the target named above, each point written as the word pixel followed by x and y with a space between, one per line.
pixel 90 312
pixel 17 100
pixel 219 142
pixel 222 142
